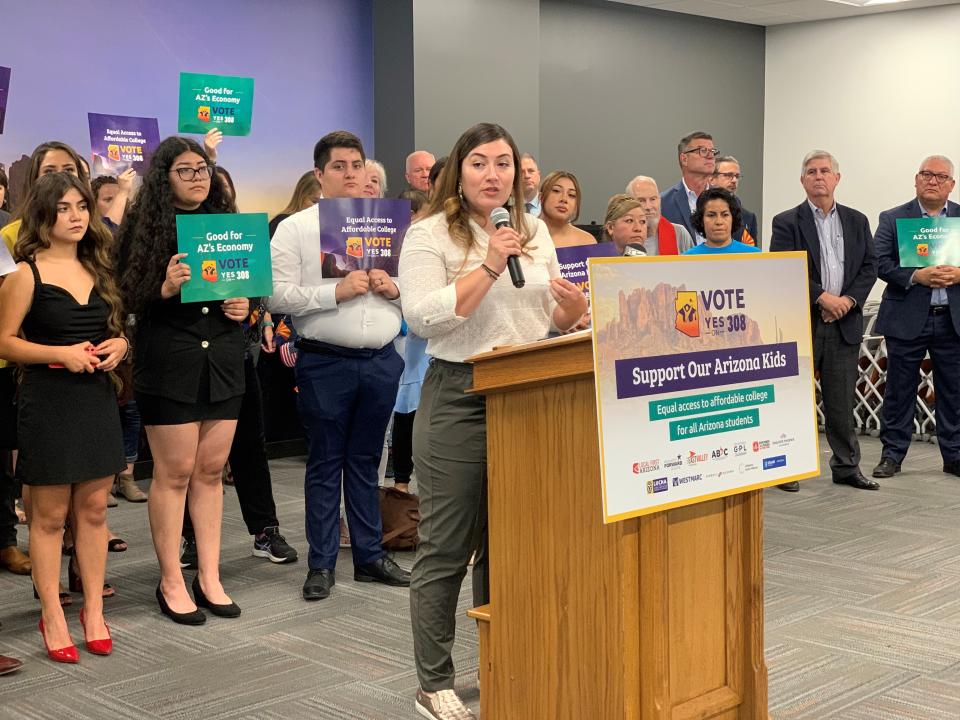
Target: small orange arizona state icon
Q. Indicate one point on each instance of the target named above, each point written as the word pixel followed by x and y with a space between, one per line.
pixel 208 270
pixel 355 247
pixel 688 314
pixel 203 113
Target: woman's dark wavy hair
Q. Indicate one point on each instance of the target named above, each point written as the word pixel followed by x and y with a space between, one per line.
pixel 736 214
pixel 95 249
pixel 148 236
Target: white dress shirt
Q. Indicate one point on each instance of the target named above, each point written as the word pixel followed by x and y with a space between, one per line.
pixel 367 321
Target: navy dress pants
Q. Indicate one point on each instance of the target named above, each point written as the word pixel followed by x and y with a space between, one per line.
pixel 345 399
pixel 903 376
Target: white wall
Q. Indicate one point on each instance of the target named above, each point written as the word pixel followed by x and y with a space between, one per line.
pixel 880 92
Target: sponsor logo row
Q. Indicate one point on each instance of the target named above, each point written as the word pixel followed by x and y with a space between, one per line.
pixel 694 457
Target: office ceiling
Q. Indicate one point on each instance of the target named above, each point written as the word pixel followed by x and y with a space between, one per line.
pixel 778 12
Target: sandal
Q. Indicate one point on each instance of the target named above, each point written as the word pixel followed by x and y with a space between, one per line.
pixel 76 582
pixel 116 545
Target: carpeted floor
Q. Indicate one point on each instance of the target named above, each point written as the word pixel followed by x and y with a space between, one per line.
pixel 863 620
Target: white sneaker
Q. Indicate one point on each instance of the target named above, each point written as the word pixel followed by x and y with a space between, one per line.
pixel 442 705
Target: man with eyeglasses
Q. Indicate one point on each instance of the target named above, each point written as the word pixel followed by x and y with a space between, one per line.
pixel 697 157
pixel 842 269
pixel 727 175
pixel 919 314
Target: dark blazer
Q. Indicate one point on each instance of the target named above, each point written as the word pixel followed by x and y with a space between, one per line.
pixel 796 229
pixel 904 308
pixel 675 208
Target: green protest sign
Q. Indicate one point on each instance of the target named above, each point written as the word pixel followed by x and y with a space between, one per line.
pixel 215 101
pixel 928 241
pixel 228 255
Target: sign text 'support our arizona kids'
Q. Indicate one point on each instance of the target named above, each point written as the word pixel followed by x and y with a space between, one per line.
pixel 704 377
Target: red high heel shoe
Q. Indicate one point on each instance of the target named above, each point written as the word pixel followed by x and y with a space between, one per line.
pixel 66 654
pixel 97 647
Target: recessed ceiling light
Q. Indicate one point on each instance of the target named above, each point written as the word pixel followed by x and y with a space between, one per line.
pixel 867 3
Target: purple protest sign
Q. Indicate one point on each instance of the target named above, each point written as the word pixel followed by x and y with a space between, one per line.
pixel 659 374
pixel 4 92
pixel 573 262
pixel 362 234
pixel 120 142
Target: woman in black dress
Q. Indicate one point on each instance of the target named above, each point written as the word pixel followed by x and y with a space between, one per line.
pixel 188 373
pixel 61 318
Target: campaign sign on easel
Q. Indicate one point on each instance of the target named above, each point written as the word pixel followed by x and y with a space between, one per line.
pixel 704 377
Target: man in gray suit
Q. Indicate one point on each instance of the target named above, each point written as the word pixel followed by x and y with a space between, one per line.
pixel 842 267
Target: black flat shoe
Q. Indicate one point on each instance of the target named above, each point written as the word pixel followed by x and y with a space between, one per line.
pixel 792 486
pixel 318 584
pixel 857 481
pixel 384 570
pixel 191 618
pixel 886 468
pixel 229 610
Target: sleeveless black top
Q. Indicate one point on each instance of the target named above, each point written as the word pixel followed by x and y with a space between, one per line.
pixel 56 318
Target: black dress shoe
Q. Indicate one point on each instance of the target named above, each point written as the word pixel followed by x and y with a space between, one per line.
pixel 318 584
pixel 952 467
pixel 858 481
pixel 191 618
pixel 384 570
pixel 792 486
pixel 886 468
pixel 228 610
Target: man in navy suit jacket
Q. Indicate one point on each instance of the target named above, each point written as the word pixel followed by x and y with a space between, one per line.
pixel 697 157
pixel 919 313
pixel 842 269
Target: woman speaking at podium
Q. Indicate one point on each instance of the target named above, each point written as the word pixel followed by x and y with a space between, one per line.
pixel 458 295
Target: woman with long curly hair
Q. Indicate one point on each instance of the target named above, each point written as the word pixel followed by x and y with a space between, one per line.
pixel 61 318
pixel 188 373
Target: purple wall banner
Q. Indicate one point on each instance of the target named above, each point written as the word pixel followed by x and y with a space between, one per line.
pixel 120 142
pixel 4 92
pixel 637 377
pixel 362 234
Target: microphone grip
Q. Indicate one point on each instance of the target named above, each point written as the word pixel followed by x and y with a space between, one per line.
pixel 516 272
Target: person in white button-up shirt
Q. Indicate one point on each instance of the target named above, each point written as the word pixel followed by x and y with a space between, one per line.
pixel 347 375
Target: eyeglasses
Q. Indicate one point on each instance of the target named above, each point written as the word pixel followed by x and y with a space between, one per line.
pixel 730 176
pixel 187 173
pixel 927 176
pixel 702 152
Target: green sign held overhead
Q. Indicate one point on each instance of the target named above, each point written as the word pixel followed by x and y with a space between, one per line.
pixel 215 101
pixel 228 255
pixel 928 241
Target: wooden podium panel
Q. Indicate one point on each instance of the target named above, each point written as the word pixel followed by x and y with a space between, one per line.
pixel 657 617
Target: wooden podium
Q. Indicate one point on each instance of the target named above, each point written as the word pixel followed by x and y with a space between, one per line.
pixel 658 617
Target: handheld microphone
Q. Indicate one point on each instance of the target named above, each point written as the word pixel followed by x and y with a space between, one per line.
pixel 634 250
pixel 500 217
